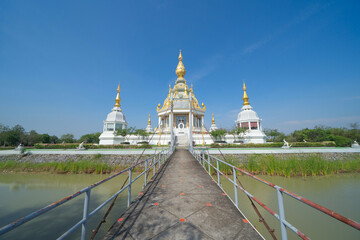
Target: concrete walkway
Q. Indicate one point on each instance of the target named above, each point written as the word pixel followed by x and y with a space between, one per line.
pixel 182 202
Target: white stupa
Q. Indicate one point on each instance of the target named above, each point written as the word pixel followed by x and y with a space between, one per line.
pixel 115 120
pixel 249 120
pixel 213 126
pixel 149 128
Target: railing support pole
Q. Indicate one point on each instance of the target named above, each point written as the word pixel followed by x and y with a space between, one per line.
pixel 129 188
pixel 159 160
pixel 218 174
pixel 85 215
pixel 281 213
pixel 154 168
pixel 235 189
pixel 146 169
pixel 209 167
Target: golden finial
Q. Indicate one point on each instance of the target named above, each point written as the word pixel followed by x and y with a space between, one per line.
pixel 117 99
pixel 158 107
pixel 180 70
pixel 191 90
pixel 213 119
pixel 149 122
pixel 245 98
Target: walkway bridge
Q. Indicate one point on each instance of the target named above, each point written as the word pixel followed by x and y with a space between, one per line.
pixel 181 201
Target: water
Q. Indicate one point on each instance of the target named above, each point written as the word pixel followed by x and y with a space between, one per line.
pixel 339 193
pixel 21 194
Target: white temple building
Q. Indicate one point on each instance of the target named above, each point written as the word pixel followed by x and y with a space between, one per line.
pixel 181 117
pixel 115 120
pixel 249 120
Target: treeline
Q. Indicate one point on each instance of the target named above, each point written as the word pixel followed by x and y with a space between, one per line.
pixel 341 136
pixel 17 134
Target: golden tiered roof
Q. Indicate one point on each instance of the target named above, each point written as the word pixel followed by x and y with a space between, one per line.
pixel 181 90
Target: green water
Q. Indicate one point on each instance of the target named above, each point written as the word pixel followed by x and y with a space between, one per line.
pixel 21 194
pixel 339 193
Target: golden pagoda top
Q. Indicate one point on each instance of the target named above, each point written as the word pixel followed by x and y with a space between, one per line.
pixel 245 97
pixel 213 119
pixel 149 122
pixel 117 99
pixel 180 69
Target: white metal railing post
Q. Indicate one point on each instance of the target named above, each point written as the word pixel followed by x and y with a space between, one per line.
pixel 281 213
pixel 146 166
pixel 159 160
pixel 85 215
pixel 154 168
pixel 217 172
pixel 235 188
pixel 209 169
pixel 129 188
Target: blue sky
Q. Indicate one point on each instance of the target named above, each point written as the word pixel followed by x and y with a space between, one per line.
pixel 61 61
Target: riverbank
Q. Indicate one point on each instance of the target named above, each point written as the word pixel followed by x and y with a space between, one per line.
pixel 288 165
pixel 291 165
pixel 64 163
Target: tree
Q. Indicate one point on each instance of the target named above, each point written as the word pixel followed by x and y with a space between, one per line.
pixel 125 132
pixel 274 135
pixel 45 138
pixel 142 133
pixel 67 138
pixel 15 136
pixel 54 139
pixel 218 134
pixel 32 137
pixel 90 138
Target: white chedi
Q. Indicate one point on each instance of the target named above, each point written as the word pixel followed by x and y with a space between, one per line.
pixel 213 126
pixel 115 120
pixel 250 121
pixel 148 127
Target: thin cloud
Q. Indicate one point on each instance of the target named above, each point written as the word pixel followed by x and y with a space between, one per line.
pixel 209 66
pixel 353 98
pixel 304 15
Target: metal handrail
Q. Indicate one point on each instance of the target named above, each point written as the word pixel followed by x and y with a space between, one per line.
pixel 200 156
pixel 156 159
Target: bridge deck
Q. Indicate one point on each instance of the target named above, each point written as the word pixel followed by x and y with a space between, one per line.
pixel 182 202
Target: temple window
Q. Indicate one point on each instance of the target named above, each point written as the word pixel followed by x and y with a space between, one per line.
pixel 110 126
pixel 245 125
pixel 118 126
pixel 253 125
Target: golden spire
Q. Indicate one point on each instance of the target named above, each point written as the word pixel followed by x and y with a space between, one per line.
pixel 245 97
pixel 117 99
pixel 213 119
pixel 191 90
pixel 149 122
pixel 180 70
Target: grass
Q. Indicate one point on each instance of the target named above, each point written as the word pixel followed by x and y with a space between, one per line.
pixel 308 165
pixel 82 166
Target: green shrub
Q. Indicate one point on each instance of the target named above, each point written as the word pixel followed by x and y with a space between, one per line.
pixel 88 146
pixel 341 141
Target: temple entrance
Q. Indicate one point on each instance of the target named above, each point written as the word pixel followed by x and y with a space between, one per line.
pixel 180 122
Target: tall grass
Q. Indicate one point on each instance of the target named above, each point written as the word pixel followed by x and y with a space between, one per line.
pixel 82 166
pixel 307 165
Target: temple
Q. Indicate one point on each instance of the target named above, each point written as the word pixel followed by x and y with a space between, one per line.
pixel 250 122
pixel 181 120
pixel 181 117
pixel 115 120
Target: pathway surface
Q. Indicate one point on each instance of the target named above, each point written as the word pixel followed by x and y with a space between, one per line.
pixel 182 202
